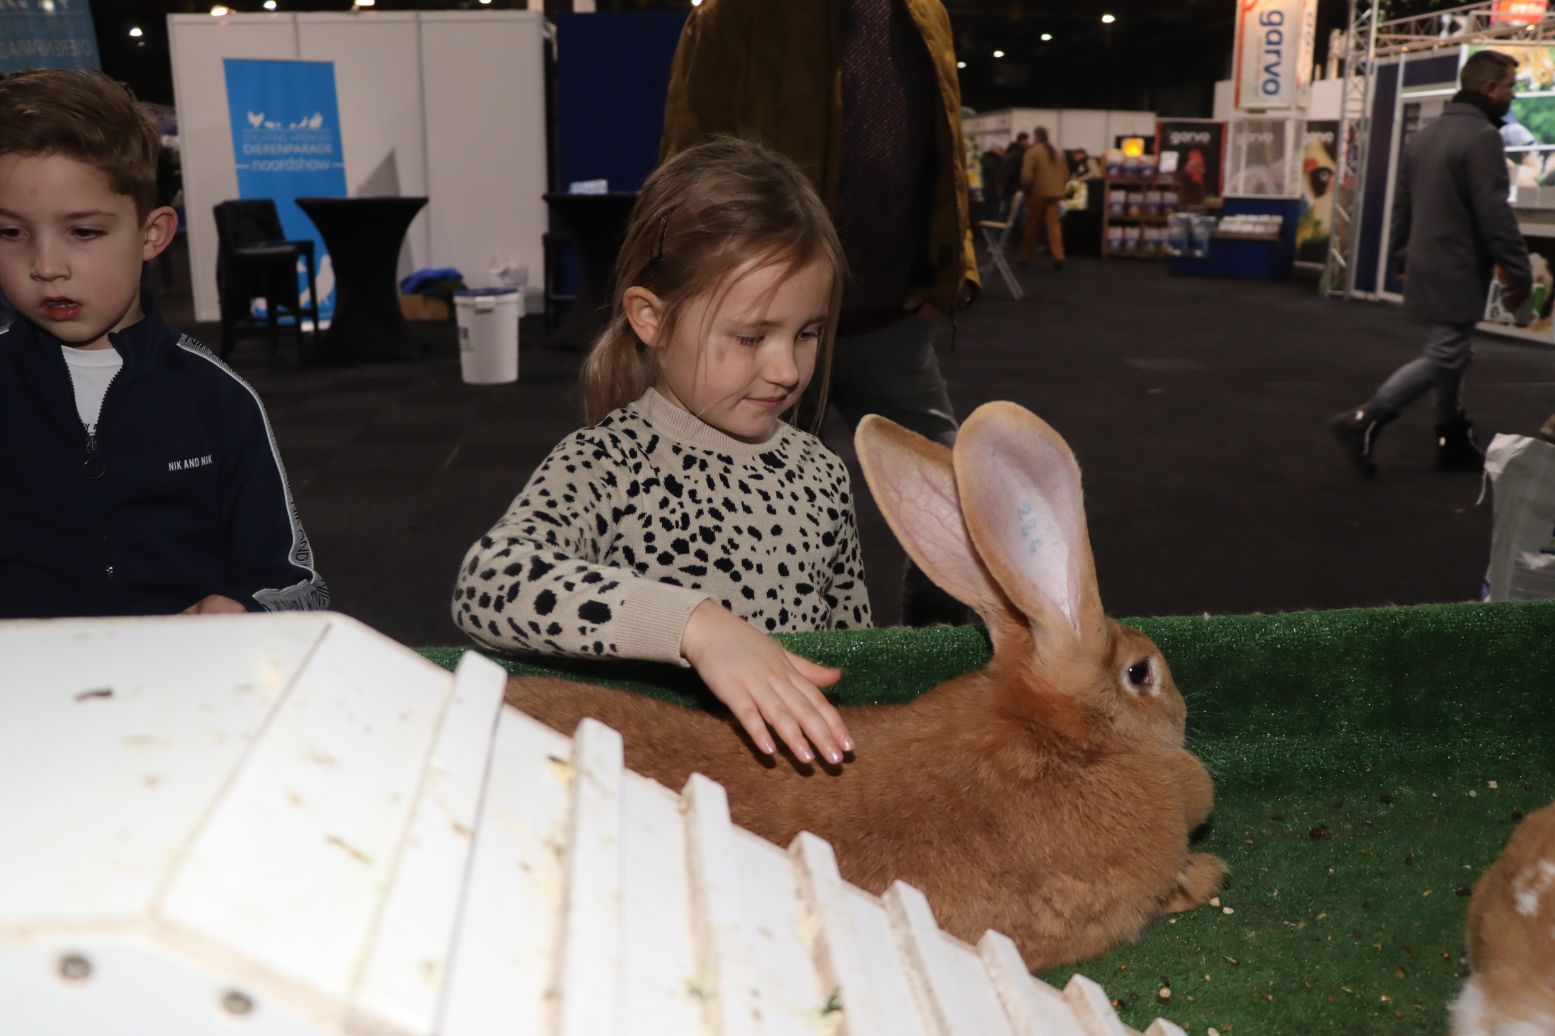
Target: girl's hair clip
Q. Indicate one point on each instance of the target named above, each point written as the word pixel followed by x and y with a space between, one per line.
pixel 658 250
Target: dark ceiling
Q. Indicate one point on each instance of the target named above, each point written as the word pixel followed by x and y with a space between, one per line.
pixel 1158 54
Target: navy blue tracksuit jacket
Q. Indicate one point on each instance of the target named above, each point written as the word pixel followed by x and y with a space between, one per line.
pixel 180 493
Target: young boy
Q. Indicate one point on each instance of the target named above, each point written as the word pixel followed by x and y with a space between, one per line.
pixel 139 473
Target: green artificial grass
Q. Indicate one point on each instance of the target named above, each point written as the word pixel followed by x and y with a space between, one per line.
pixel 1369 764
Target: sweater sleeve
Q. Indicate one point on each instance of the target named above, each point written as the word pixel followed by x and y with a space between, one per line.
pixel 534 582
pixel 269 561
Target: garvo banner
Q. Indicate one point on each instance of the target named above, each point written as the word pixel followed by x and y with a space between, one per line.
pixel 1274 43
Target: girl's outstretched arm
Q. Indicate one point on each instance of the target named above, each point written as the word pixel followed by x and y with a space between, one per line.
pixel 765 685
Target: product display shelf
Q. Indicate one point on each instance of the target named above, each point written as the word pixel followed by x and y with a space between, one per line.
pixel 1140 222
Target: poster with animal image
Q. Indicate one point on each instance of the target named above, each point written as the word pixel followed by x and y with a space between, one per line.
pixel 1198 147
pixel 1319 169
pixel 1529 131
pixel 1541 254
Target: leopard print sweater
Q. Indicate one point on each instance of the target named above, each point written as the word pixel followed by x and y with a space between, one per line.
pixel 629 525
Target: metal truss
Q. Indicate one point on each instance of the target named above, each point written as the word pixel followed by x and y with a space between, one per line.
pixel 1474 23
pixel 1358 71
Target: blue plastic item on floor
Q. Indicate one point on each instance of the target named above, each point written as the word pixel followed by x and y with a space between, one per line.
pixel 414 283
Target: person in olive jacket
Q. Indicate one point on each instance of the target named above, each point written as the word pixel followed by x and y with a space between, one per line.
pixel 863 96
pixel 1452 226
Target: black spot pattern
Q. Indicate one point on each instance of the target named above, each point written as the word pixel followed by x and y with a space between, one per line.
pixel 625 527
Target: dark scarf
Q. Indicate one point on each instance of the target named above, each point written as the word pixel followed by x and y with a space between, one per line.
pixel 1481 102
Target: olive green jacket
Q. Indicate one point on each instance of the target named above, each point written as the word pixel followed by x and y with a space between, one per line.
pixel 771 70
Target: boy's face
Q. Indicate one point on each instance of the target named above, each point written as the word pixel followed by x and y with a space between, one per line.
pixel 71 248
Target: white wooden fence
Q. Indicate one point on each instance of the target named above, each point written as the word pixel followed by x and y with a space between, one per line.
pixel 290 824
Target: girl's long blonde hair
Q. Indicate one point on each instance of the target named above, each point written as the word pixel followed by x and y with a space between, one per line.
pixel 704 213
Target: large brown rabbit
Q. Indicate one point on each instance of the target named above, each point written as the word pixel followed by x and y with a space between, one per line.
pixel 1049 795
pixel 1511 939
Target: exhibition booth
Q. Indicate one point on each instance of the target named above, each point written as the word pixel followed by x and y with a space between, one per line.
pixel 1292 158
pixel 1409 91
pixel 446 106
pixel 1251 192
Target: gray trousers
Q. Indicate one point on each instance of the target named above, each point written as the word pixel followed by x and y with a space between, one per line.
pixel 894 372
pixel 1448 350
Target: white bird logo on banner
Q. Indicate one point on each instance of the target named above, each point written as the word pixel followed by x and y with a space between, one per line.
pixel 256 119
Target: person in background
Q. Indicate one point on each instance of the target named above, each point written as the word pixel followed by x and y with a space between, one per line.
pixel 142 476
pixel 1452 226
pixel 863 96
pixel 991 164
pixel 689 520
pixel 1014 158
pixel 1044 176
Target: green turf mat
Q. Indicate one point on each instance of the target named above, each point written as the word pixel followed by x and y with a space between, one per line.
pixel 1369 764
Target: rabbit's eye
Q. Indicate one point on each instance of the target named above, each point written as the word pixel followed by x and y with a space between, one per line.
pixel 1139 674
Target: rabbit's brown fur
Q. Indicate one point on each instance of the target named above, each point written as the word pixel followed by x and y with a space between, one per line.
pixel 1511 939
pixel 1047 796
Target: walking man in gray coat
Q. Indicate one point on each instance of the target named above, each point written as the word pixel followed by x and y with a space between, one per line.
pixel 1452 225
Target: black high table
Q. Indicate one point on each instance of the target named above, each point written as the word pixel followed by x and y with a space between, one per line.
pixel 595 224
pixel 363 237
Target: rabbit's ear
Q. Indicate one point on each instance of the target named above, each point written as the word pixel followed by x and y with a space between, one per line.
pixel 1020 492
pixel 915 487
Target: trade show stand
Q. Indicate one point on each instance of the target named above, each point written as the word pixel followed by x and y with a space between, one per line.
pixel 443 105
pixel 1247 256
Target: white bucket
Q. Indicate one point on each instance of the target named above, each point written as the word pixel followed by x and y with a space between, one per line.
pixel 488 335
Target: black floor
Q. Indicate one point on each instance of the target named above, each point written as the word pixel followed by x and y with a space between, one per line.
pixel 1196 409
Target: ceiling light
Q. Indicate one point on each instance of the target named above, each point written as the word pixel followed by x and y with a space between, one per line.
pixel 961 64
pixel 1047 37
pixel 1107 19
pixel 364 3
pixel 270 5
pixel 694 3
pixel 220 10
pixel 135 32
pixel 998 53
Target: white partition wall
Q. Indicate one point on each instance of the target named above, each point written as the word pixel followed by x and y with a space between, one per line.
pixel 380 109
pixel 1092 129
pixel 1133 124
pixel 485 139
pixel 446 104
pixel 1088 129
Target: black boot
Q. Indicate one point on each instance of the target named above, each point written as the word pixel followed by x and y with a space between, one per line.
pixel 1456 449
pixel 1357 431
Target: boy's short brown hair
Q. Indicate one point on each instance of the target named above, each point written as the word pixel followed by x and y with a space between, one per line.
pixel 85 116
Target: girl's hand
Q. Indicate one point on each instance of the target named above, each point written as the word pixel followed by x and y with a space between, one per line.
pixel 215 604
pixel 762 684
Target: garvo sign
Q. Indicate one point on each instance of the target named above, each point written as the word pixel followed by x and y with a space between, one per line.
pixel 1274 43
pixel 1272 56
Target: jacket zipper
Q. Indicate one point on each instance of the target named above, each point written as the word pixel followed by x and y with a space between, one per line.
pixel 93 466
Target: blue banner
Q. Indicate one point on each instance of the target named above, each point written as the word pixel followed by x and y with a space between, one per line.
pixel 286 143
pixel 46 34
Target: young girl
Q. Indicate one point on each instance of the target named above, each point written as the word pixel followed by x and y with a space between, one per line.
pixel 689 520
